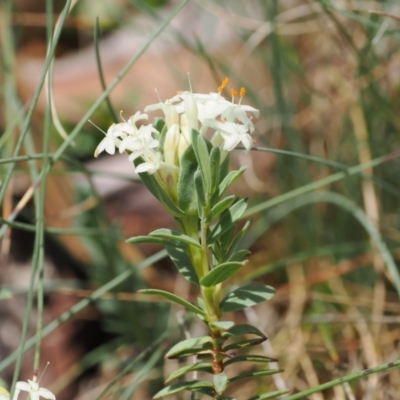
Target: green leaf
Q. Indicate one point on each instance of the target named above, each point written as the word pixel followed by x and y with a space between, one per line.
pixel 183 263
pixel 224 168
pixel 228 180
pixel 249 357
pixel 198 181
pixel 244 343
pixel 270 395
pixel 203 158
pixel 194 386
pixel 255 374
pixel 215 161
pixel 201 303
pixel 246 296
pixel 158 191
pixel 188 344
pixel 239 255
pixel 160 125
pixel 220 382
pixel 239 236
pixel 174 298
pixel 244 329
pixel 148 239
pixel 187 196
pixel 228 218
pixel 220 207
pixel 220 273
pixel 200 366
pixel 224 325
pixel 169 234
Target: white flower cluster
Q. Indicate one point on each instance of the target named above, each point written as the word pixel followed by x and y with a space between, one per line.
pixel 183 113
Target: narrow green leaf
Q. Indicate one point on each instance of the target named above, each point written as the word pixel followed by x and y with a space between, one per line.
pixel 225 239
pixel 239 236
pixel 187 196
pixel 224 325
pixel 255 374
pixel 220 207
pixel 174 298
pixel 194 386
pixel 239 255
pixel 200 366
pixel 246 296
pixel 228 218
pixel 183 263
pixel 224 168
pixel 198 181
pixel 188 344
pixel 270 395
pixel 244 329
pixel 160 125
pixel 203 158
pixel 169 234
pixel 220 382
pixel 244 343
pixel 215 167
pixel 147 239
pixel 249 357
pixel 201 303
pixel 220 273
pixel 228 180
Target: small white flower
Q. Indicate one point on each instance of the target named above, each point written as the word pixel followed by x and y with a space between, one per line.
pixel 239 112
pixel 143 137
pixel 34 390
pixel 151 165
pixel 141 147
pixel 233 134
pixel 211 107
pixel 110 141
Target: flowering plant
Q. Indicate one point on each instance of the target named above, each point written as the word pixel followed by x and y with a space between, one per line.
pixel 184 162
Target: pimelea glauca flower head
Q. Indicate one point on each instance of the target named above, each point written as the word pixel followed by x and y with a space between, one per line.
pixel 157 149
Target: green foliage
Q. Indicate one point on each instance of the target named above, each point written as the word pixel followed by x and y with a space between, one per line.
pixel 246 296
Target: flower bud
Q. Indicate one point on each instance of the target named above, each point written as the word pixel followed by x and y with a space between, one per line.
pixel 171 115
pixel 171 144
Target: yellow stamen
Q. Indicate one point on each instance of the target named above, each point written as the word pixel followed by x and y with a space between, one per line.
pixel 233 92
pixel 223 84
pixel 242 92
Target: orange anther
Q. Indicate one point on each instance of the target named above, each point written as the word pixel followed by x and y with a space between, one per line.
pixel 233 92
pixel 242 92
pixel 223 84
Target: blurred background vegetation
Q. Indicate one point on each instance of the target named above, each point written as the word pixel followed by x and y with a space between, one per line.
pixel 325 75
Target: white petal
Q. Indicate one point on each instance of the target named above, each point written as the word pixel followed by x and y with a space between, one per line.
pixel 109 145
pixel 147 167
pixel 35 395
pixel 154 107
pixel 46 394
pixel 23 386
pixel 99 149
pixel 137 117
pixel 247 141
pixel 231 142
